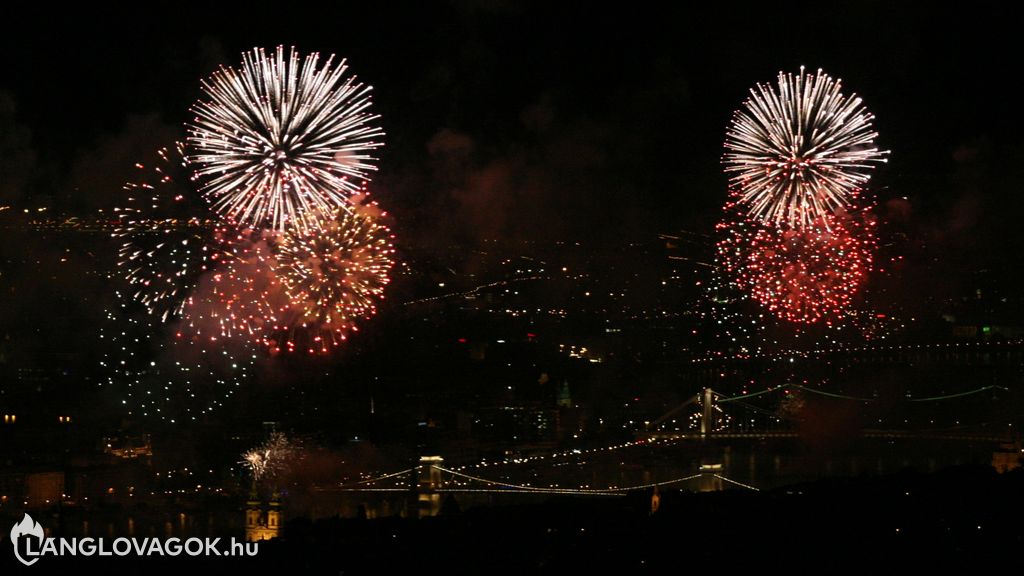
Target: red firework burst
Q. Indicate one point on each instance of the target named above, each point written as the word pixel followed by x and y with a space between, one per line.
pixel 808 274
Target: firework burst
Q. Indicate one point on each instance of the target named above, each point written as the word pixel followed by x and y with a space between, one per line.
pixel 272 458
pixel 169 377
pixel 166 239
pixel 806 275
pixel 331 279
pixel 294 292
pixel 801 151
pixel 281 143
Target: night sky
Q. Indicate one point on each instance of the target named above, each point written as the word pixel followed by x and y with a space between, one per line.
pixel 526 121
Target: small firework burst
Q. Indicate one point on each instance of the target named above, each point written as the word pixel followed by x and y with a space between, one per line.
pixel 273 458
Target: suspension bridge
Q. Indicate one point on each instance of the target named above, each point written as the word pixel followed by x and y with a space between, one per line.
pixel 431 480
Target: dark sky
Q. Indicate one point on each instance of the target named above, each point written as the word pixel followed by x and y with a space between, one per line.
pixel 547 120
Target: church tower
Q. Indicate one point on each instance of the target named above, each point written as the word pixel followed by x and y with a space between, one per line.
pixel 262 524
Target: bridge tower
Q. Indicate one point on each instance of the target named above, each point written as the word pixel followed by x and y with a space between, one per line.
pixel 711 460
pixel 707 423
pixel 428 481
pixel 710 476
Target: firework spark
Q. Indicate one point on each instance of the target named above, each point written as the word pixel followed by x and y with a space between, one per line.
pixel 726 323
pixel 233 301
pixel 168 377
pixel 805 275
pixel 800 152
pixel 165 235
pixel 281 143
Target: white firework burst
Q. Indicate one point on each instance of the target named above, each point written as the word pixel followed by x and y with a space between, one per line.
pixel 800 151
pixel 282 143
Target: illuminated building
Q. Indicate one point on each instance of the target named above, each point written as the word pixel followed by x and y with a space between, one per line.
pixel 260 523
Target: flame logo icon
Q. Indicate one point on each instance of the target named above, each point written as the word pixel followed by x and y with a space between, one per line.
pixel 28 527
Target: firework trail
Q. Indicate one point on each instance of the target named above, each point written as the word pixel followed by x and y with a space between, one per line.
pixel 282 143
pixel 800 151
